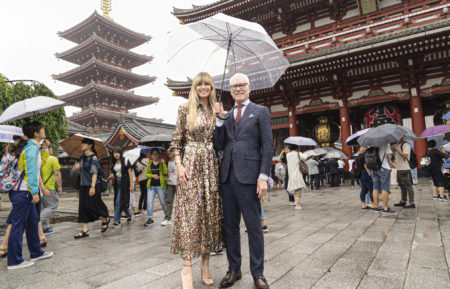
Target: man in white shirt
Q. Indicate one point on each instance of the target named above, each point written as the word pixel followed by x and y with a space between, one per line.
pixel 404 179
pixel 382 180
pixel 341 165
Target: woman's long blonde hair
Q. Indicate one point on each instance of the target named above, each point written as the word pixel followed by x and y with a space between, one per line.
pixel 194 101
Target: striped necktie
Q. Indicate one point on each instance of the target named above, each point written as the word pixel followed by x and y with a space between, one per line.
pixel 239 112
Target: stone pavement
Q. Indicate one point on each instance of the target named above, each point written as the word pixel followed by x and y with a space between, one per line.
pixel 331 243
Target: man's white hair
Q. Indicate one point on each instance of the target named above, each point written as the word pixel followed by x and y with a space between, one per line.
pixel 245 77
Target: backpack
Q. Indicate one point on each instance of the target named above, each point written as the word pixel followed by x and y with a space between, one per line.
pixel 372 159
pixel 413 163
pixel 8 174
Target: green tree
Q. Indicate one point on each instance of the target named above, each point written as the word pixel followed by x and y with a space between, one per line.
pixel 54 122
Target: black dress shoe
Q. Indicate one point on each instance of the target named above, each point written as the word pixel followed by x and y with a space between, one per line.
pixel 230 278
pixel 400 204
pixel 260 282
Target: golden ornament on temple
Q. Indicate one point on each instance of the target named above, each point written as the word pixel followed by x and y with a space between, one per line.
pixel 106 7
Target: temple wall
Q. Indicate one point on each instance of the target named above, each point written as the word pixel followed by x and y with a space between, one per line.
pixel 387 3
pixel 323 21
pixel 277 108
pixel 351 13
pixel 432 82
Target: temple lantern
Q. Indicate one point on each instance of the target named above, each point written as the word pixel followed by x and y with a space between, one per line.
pixel 381 114
pixel 326 133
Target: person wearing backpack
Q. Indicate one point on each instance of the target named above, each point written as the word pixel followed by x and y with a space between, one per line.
pixel 140 167
pixel 90 204
pixel 24 196
pixel 403 154
pixel 51 176
pixel 378 160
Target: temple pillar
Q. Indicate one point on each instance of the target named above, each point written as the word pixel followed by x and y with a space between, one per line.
pixel 355 128
pixel 344 121
pixel 417 120
pixel 292 119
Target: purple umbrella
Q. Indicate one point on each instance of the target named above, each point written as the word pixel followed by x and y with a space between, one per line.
pixel 435 130
pixel 446 116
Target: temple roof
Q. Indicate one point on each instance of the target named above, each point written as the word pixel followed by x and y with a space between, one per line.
pixel 106 29
pixel 199 8
pixel 137 128
pixel 73 127
pixel 90 112
pixel 93 90
pixel 179 84
pixel 95 70
pixel 102 49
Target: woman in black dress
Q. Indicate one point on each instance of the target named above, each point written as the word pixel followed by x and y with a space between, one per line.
pixel 91 206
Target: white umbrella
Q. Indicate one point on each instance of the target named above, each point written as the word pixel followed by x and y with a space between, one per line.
pixel 300 141
pixel 8 131
pixel 132 155
pixel 29 107
pixel 310 153
pixel 72 146
pixel 447 147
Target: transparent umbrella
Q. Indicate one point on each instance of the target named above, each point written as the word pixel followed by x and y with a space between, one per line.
pixel 222 46
pixel 8 131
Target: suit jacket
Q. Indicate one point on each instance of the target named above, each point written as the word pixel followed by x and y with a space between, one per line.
pixel 247 145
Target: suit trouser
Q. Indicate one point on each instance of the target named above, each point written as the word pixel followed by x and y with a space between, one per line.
pixel 242 198
pixel 23 218
pixel 49 206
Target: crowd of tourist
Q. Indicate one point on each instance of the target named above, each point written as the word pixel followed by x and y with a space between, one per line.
pixel 210 198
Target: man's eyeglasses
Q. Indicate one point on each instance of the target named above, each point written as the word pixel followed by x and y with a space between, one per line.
pixel 239 86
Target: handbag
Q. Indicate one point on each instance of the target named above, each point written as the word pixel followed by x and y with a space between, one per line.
pixel 302 165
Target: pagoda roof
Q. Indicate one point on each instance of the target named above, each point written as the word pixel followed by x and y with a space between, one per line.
pixel 94 46
pixel 95 22
pixel 85 114
pixel 136 128
pixel 73 127
pixel 89 71
pixel 93 89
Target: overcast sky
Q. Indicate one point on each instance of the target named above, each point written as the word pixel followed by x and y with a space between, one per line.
pixel 29 42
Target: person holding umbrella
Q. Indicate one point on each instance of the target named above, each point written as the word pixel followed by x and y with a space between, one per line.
pixel 435 166
pixel 198 228
pixel 247 141
pixel 90 204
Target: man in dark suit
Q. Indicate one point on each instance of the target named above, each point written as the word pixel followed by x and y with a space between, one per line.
pixel 246 140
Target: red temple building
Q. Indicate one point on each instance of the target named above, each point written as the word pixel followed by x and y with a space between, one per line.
pixel 104 75
pixel 353 64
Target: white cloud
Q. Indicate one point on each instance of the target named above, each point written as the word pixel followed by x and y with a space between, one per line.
pixel 29 42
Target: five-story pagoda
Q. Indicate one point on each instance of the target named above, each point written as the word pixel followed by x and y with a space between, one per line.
pixel 104 72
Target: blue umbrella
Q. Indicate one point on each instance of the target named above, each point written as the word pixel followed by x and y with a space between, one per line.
pixel 447 116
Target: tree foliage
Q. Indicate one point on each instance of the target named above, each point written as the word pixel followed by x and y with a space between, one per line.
pixel 54 122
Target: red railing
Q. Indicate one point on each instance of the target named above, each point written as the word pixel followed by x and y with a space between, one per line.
pixel 388 20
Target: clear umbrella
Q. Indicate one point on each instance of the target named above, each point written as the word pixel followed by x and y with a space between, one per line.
pixel 446 116
pixel 222 46
pixel 29 107
pixel 352 140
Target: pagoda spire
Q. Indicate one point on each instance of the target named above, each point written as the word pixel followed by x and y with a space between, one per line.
pixel 106 7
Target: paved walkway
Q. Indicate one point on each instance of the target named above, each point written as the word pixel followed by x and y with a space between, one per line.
pixel 331 243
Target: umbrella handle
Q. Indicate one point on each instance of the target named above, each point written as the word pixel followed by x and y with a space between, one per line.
pixel 219 99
